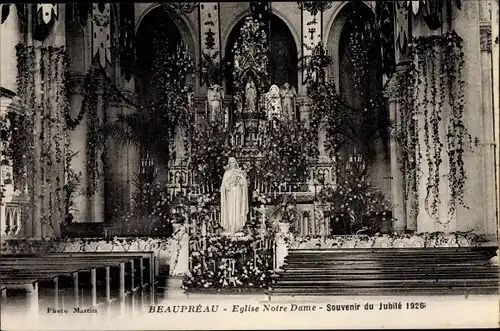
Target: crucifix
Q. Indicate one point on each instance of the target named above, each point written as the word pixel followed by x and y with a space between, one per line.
pixel 209 40
pixel 312 31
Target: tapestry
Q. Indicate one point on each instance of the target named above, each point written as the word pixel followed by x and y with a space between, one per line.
pixel 101 32
pixel 311 36
pixel 209 32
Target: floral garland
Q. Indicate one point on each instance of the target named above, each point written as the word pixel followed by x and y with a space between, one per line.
pixel 41 148
pixel 437 87
pixel 418 240
pixel 54 245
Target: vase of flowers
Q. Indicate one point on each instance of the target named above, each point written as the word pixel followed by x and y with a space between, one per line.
pixel 286 213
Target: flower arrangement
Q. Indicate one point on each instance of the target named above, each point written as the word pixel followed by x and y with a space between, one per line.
pixel 354 203
pixel 285 209
pixel 227 262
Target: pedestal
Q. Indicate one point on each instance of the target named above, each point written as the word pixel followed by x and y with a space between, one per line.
pixel 281 245
pixel 179 252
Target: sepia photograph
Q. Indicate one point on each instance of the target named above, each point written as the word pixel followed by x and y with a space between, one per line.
pixel 249 165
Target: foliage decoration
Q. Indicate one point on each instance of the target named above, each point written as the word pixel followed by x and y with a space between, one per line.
pixel 72 187
pixel 405 133
pixel 345 127
pixel 153 126
pixel 40 151
pixel 250 55
pixel 210 142
pixel 287 151
pixel 440 87
pixel 286 211
pixel 226 262
pixel 394 240
pixel 354 203
pixel 213 70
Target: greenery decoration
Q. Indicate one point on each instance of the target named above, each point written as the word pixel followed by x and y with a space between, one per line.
pixel 439 87
pixel 40 145
pixel 354 204
pixel 405 133
pixel 72 187
pixel 250 54
pixel 393 240
pixel 212 70
pixel 285 211
pixel 153 126
pixel 227 262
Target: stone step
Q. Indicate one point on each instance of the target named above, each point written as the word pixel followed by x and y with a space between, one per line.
pixel 389 275
pixel 378 264
pixel 387 271
pixel 308 269
pixel 316 291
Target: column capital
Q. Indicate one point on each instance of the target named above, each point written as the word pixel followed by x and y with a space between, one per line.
pixel 393 86
pixel 76 82
pixel 120 97
pixel 485 38
pixel 8 104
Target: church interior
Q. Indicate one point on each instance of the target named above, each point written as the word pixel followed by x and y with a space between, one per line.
pixel 283 148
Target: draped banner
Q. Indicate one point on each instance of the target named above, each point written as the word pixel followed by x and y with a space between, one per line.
pixel 312 34
pixel 48 10
pixel 127 34
pixel 209 32
pixel 402 28
pixel 46 14
pixel 101 32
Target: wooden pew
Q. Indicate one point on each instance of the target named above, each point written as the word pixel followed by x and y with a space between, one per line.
pixel 134 272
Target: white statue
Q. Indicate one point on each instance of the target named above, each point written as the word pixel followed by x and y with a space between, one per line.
pixel 288 94
pixel 215 96
pixel 250 95
pixel 273 103
pixel 234 198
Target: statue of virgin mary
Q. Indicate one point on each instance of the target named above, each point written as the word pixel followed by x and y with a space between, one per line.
pixel 234 198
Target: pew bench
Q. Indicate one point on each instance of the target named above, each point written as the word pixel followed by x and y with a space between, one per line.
pixel 89 279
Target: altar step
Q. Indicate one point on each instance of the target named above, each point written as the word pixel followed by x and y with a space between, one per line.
pixel 388 271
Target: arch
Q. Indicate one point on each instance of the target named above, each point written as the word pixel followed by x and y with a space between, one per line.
pixel 238 18
pixel 334 30
pixel 183 23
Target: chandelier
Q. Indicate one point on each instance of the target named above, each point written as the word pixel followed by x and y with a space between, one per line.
pixel 180 7
pixel 315 6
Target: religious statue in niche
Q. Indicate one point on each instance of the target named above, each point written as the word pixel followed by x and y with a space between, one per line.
pixel 215 96
pixel 234 198
pixel 250 95
pixel 273 103
pixel 288 94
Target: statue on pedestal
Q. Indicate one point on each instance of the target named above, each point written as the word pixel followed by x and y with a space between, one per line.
pixel 288 94
pixel 234 198
pixel 215 97
pixel 250 95
pixel 273 103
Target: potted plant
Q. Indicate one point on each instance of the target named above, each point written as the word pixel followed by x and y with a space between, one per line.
pixel 355 205
pixel 286 212
pixel 180 211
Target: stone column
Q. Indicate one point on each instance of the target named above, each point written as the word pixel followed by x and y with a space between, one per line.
pixel 488 139
pixel 123 160
pixel 97 197
pixel 442 221
pixel 78 145
pixel 397 191
pixel 495 10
